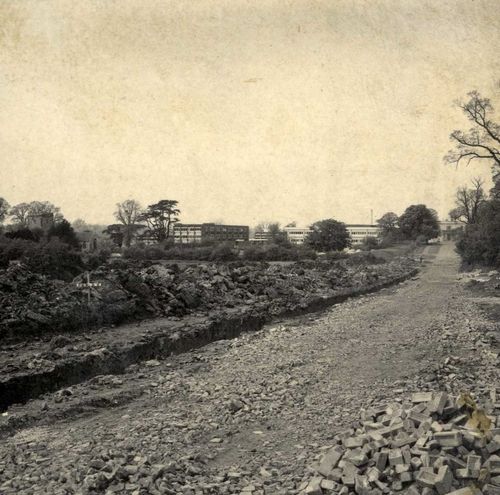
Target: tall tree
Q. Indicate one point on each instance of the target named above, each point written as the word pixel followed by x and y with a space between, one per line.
pixel 468 201
pixel 22 211
pixel 329 235
pixel 418 220
pixel 480 243
pixel 19 213
pixel 4 209
pixel 388 222
pixel 160 218
pixel 80 225
pixel 128 213
pixel 115 232
pixel 43 207
pixel 63 231
pixel 482 140
pixel 276 234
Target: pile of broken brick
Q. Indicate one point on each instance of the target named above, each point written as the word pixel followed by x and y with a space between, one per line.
pixel 33 304
pixel 437 444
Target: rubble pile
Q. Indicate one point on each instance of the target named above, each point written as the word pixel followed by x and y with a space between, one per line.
pixel 32 303
pixel 438 444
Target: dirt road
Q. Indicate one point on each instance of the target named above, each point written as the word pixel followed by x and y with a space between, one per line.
pixel 255 411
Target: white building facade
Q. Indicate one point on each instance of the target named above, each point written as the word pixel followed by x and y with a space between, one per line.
pixel 297 235
pixel 359 232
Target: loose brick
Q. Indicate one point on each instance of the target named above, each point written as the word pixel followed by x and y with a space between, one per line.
pixel 418 418
pixel 438 402
pixel 491 490
pixel 353 442
pixel 395 457
pixel 361 485
pixel 455 462
pixel 494 445
pixel 493 463
pixel 314 487
pixel 380 459
pixel 421 397
pixel 466 491
pixel 444 480
pixel 330 460
pixel 402 468
pixel 335 475
pixel 426 479
pixel 406 477
pixel 328 485
pixel 382 486
pixel 449 438
pixel 473 462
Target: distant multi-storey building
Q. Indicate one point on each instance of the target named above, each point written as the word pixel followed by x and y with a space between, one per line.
pixel 359 232
pixel 88 241
pixel 261 236
pixel 450 230
pixel 297 235
pixel 187 233
pixel 42 221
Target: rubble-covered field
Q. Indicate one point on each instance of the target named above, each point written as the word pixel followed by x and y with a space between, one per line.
pixel 34 305
pixel 393 392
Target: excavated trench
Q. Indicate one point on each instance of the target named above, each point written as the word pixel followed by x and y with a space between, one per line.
pixel 166 341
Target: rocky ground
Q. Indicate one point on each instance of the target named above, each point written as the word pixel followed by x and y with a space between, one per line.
pixel 35 306
pixel 256 414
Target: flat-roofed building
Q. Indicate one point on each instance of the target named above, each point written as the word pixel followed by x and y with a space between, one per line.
pixel 359 232
pixel 194 233
pixel 450 230
pixel 261 237
pixel 297 235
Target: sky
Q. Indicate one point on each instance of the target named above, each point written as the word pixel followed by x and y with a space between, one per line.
pixel 243 111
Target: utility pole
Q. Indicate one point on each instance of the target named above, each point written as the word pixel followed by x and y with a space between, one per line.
pixel 371 217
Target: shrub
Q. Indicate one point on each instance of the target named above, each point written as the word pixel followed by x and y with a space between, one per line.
pixel 134 253
pixel 335 255
pixel 26 234
pixel 369 243
pixel 154 253
pixel 54 259
pixel 480 243
pixel 421 240
pixel 223 252
pixel 13 249
pixel 220 252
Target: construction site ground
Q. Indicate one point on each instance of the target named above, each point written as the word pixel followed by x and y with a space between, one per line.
pixel 253 414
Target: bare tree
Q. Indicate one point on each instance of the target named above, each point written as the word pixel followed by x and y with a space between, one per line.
pixel 79 225
pixel 468 202
pixel 482 140
pixel 19 213
pixel 127 213
pixel 45 207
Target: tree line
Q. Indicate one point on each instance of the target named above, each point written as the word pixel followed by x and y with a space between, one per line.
pixel 477 209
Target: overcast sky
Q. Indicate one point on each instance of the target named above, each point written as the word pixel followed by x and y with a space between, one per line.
pixel 241 110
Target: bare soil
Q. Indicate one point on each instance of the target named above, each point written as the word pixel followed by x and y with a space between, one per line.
pixel 258 409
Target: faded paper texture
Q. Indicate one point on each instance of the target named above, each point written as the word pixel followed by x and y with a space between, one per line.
pixel 241 110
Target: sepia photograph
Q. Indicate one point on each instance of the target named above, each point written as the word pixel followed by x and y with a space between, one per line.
pixel 250 247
